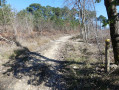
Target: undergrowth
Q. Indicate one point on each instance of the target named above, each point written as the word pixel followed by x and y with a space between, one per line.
pixel 84 70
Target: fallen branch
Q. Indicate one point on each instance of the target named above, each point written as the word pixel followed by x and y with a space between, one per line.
pixel 3 38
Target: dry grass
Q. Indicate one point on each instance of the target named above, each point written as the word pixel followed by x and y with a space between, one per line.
pixel 84 69
pixel 33 41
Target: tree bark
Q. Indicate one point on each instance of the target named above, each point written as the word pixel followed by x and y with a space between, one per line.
pixel 114 27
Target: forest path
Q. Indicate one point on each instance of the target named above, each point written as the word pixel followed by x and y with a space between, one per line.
pixel 67 63
pixel 52 56
pixel 62 64
pixel 40 72
pixel 53 52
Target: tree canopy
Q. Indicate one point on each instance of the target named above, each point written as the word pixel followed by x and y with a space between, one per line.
pixel 60 16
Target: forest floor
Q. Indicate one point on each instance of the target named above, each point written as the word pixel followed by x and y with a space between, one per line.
pixel 67 63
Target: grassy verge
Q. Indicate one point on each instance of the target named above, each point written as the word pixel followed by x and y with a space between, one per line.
pixel 6 49
pixel 84 70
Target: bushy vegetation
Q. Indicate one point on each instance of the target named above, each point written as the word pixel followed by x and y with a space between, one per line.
pixel 59 18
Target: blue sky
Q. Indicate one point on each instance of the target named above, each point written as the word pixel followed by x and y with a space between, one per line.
pixel 22 4
pixel 100 8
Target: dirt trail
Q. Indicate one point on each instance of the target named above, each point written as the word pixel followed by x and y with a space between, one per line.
pixel 63 64
pixel 52 57
pixel 49 78
pixel 54 50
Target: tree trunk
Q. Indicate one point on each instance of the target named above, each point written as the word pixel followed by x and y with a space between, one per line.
pixel 114 27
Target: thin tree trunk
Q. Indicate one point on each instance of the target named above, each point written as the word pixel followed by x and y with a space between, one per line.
pixel 96 35
pixel 4 19
pixel 100 26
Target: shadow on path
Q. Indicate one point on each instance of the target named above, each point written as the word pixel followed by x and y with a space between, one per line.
pixel 58 77
pixel 35 66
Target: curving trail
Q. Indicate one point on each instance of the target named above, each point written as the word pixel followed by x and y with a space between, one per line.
pixel 52 58
pixel 52 77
